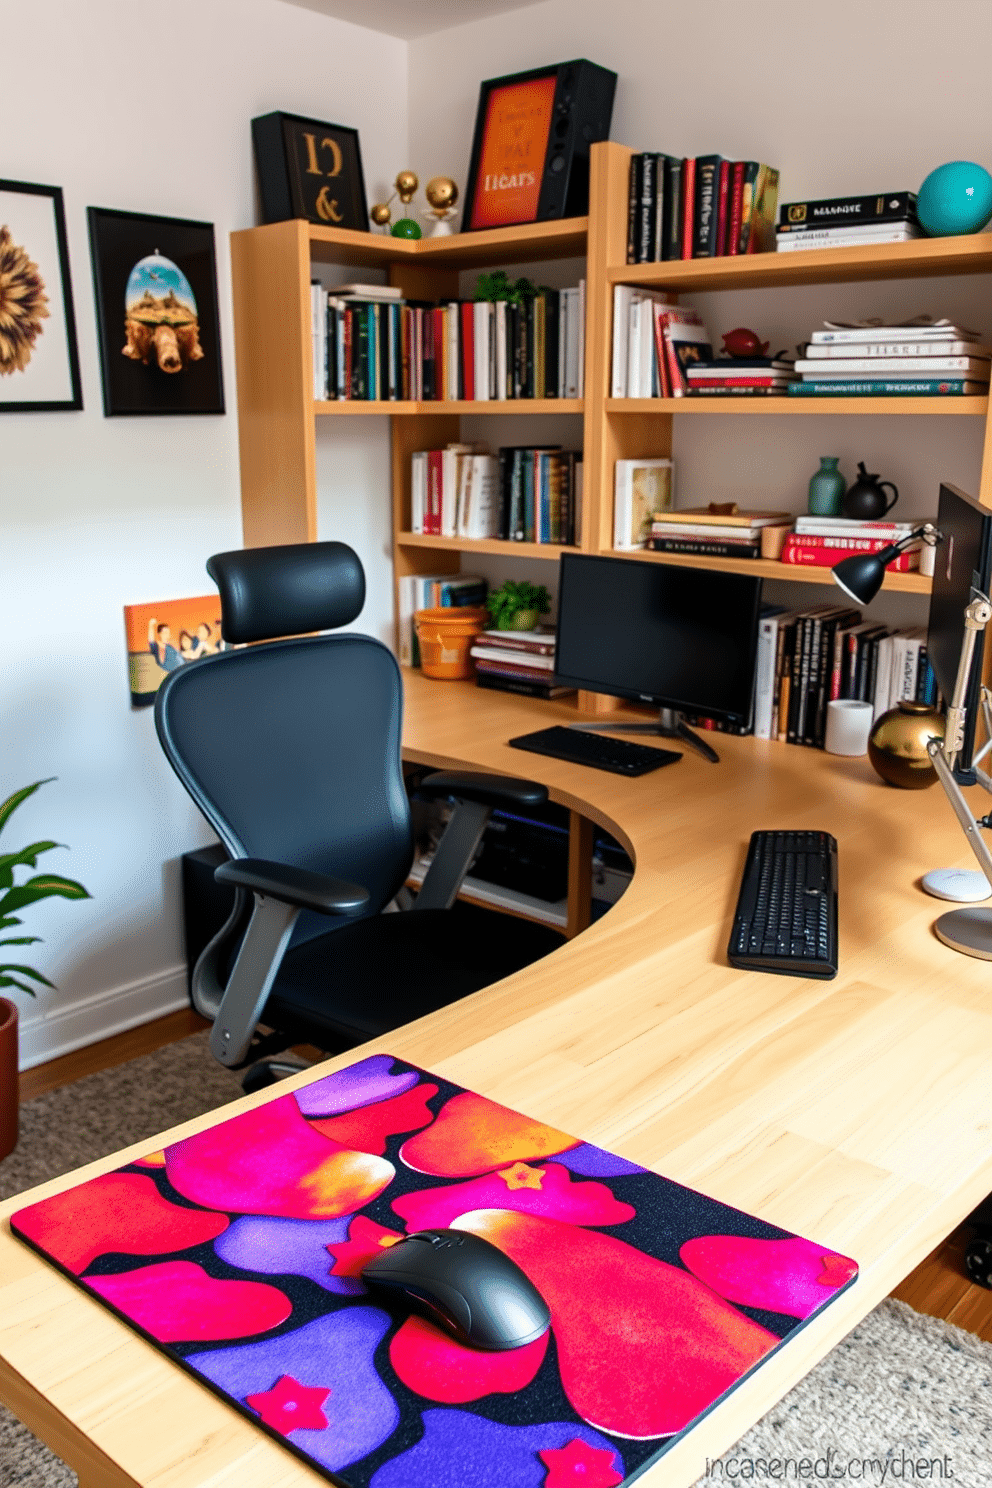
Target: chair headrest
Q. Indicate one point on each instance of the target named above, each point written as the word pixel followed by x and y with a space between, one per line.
pixel 266 593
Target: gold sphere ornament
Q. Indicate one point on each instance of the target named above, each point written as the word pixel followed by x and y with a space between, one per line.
pixel 380 214
pixel 406 184
pixel 897 746
pixel 441 192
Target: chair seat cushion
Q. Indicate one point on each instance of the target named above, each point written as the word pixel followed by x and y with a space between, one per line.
pixel 376 974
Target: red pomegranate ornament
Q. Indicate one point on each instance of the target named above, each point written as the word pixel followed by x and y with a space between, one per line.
pixel 744 343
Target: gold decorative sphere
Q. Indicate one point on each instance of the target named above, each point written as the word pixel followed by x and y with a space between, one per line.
pixel 441 192
pixel 380 214
pixel 406 184
pixel 897 747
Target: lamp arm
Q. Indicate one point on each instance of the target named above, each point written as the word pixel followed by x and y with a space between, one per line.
pixel 954 794
pixel 976 616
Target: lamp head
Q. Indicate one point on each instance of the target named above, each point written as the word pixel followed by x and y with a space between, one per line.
pixel 861 575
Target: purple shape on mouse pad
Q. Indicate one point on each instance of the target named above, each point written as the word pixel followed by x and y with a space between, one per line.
pixel 594 1162
pixel 335 1354
pixel 458 1448
pixel 288 1247
pixel 361 1084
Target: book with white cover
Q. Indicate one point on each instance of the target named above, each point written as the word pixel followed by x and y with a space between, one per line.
pixel 883 677
pixel 766 672
pixel 814 526
pixel 622 296
pixel 418 489
pixel 636 313
pixel 498 653
pixel 581 314
pixel 481 317
pixel 934 366
pixel 641 487
pixel 876 329
pixel 369 292
pixel 906 348
pixel 500 359
pixel 572 371
pixel 481 517
pixel 857 237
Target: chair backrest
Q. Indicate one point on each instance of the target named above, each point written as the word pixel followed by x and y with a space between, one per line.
pixel 292 749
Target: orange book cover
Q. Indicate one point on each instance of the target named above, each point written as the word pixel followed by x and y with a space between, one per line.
pixel 511 160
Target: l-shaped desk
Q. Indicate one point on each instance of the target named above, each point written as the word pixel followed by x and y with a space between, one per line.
pixel 856 1112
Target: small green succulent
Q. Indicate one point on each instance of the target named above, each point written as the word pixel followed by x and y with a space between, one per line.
pixel 17 896
pixel 516 606
pixel 498 286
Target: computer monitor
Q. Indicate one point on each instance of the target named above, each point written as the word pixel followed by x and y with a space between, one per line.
pixel 682 639
pixel 963 561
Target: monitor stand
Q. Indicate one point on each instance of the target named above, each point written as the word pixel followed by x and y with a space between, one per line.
pixel 670 725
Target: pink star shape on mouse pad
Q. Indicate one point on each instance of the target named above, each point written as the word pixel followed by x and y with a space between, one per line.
pixel 579 1466
pixel 521 1176
pixel 290 1406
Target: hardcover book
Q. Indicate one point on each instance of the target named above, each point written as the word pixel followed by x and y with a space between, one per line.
pixel 238 1251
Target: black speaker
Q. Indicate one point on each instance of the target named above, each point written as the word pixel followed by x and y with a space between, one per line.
pixel 581 117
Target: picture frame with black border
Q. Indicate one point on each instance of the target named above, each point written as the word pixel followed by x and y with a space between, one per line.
pixel 311 170
pixel 39 358
pixel 155 282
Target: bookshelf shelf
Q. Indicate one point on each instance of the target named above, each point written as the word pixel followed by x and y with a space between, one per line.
pixel 348 406
pixel 875 407
pixel 503 245
pixel 483 545
pixel 768 568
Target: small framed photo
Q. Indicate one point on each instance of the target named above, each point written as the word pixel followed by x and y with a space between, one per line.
pixel 156 299
pixel 164 636
pixel 39 364
pixel 530 150
pixel 311 170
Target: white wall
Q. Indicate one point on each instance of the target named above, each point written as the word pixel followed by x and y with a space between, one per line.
pixel 128 108
pixel 849 96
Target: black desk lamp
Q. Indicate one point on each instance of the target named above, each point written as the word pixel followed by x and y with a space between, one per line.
pixel 860 576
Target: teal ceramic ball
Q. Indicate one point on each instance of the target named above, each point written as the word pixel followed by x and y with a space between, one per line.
pixel 406 228
pixel 955 198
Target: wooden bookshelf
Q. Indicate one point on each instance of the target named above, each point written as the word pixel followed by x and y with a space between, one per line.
pixel 767 568
pixel 397 409
pixel 870 407
pixel 550 551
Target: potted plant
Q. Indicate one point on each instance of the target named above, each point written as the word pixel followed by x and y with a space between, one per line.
pixel 517 606
pixel 15 896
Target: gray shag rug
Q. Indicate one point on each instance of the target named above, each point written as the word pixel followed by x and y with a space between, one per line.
pixel 904 1398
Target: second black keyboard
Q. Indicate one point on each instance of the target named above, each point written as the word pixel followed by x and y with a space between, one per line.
pixel 601 752
pixel 786 919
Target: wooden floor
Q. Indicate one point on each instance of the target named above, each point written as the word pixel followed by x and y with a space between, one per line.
pixel 938 1286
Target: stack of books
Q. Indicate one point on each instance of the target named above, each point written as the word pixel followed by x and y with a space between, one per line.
pixel 848 221
pixel 433 592
pixel 809 658
pixel 518 661
pixel 522 493
pixel 704 532
pixel 372 345
pixel 920 358
pixel 741 377
pixel 654 343
pixel 823 541
pixel 705 207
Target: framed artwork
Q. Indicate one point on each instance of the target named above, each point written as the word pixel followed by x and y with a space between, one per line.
pixel 530 150
pixel 164 636
pixel 310 170
pixel 156 297
pixel 39 364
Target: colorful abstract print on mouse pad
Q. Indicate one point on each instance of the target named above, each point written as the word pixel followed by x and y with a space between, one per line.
pixel 239 1251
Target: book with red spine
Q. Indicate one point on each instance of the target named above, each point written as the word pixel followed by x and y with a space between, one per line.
pixel 440 356
pixel 661 350
pixel 432 511
pixel 824 552
pixel 467 308
pixel 735 207
pixel 688 205
pixel 723 207
pixel 744 379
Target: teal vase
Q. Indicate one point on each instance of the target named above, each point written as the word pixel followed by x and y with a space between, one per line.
pixel 826 489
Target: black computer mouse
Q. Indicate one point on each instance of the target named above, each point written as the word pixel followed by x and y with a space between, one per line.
pixel 464 1283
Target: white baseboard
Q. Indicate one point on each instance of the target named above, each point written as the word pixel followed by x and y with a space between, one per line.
pixel 98 1017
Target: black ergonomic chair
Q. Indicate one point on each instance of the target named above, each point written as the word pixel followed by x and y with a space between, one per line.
pixel 291 750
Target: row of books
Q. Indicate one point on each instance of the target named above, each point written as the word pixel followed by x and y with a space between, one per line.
pixel 847 221
pixel 703 207
pixel 654 344
pixel 713 531
pixel 370 344
pixel 921 357
pixel 518 661
pixel 823 541
pixel 432 592
pixel 522 493
pixel 811 657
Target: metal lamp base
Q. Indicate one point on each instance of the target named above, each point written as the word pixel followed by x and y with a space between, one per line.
pixel 968 931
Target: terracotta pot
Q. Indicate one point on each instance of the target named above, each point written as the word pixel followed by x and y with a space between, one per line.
pixel 8 1077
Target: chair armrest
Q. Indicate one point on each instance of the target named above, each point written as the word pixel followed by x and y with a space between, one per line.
pixel 490 790
pixel 330 896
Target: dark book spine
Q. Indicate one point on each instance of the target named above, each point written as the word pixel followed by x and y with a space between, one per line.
pixel 706 213
pixel 517 497
pixel 634 206
pixel 530 360
pixel 331 356
pixel 505 471
pixel 748 182
pixel 673 209
pixel 497 683
pixel 529 498
pixel 847 211
pixel 704 547
pixel 801 642
pixel 872 676
pixel 812 681
pixel 360 360
pixel 861 675
pixel 551 346
pixel 660 193
pixel 645 214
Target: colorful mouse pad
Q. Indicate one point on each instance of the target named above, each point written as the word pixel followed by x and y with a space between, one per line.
pixel 239 1252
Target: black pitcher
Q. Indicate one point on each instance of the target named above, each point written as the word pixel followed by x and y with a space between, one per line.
pixel 865 501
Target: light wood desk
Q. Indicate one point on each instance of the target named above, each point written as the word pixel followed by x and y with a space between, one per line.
pixel 856 1112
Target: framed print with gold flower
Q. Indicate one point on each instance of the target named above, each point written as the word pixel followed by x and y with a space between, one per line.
pixel 39 365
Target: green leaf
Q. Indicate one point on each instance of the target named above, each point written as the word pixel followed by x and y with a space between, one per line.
pixel 42 887
pixel 20 940
pixel 8 807
pixel 9 981
pixel 27 971
pixel 7 920
pixel 27 858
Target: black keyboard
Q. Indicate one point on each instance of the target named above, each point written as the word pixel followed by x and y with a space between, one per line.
pixel 786 918
pixel 597 750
